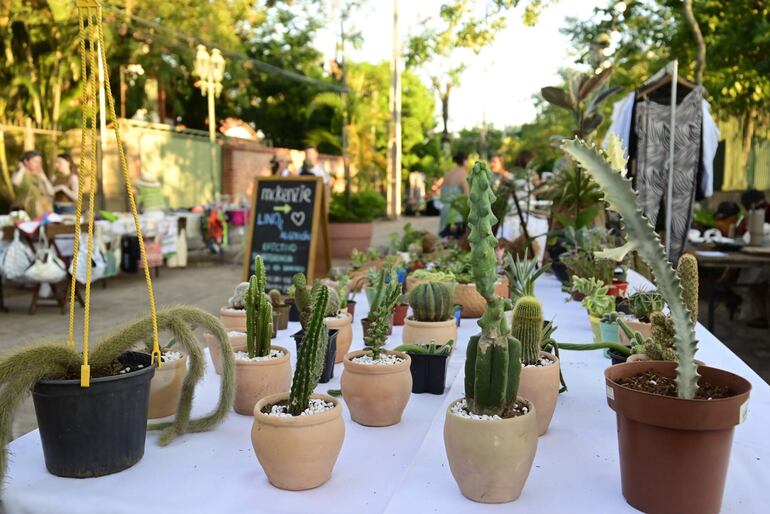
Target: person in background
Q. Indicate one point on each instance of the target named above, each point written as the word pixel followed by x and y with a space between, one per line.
pixel 65 184
pixel 453 185
pixel 757 278
pixel 33 191
pixel 280 166
pixel 149 196
pixel 311 165
pixel 752 200
pixel 497 166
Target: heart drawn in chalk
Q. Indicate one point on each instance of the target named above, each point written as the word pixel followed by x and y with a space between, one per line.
pixel 298 217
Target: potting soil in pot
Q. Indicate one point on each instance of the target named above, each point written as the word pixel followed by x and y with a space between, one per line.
pixel 170 356
pixel 651 382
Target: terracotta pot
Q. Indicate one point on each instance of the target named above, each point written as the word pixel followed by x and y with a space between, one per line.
pixel 427 331
pixel 344 327
pixel 471 300
pixel 645 329
pixel 282 319
pixel 674 452
pixel 233 319
pixel 501 287
pixel 365 326
pixel 490 459
pixel 618 289
pixel 297 452
pixel 237 343
pixel 540 385
pixel 346 237
pixel 258 379
pixel 166 388
pixel 399 314
pixel 376 395
pixel 595 328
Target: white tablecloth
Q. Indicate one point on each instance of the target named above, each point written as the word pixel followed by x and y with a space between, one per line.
pixel 402 468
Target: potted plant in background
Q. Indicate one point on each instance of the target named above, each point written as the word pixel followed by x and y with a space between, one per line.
pixel 233 315
pixel 262 369
pixel 350 221
pixel 383 282
pixel 675 419
pixel 429 365
pixel 281 308
pixel 341 321
pixel 297 435
pixel 432 317
pixel 642 305
pixel 166 384
pixel 375 382
pixel 465 291
pixel 490 435
pixel 400 311
pixel 304 300
pixel 521 274
pixel 598 303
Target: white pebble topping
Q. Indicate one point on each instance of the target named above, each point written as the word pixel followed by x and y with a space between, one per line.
pixel 541 364
pixel 461 409
pixel 171 356
pixel 316 407
pixel 384 359
pixel 244 356
pixel 235 333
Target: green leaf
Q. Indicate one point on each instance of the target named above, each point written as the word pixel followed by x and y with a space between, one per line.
pixel 558 97
pixel 616 254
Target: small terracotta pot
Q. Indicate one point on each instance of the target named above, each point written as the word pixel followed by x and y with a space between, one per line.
pixel 297 452
pixel 501 287
pixel 258 379
pixel 365 326
pixel 344 327
pixel 471 300
pixel 645 329
pixel 166 388
pixel 490 459
pixel 399 314
pixel 352 307
pixel 376 395
pixel 595 328
pixel 674 452
pixel 282 320
pixel 618 289
pixel 233 319
pixel 540 385
pixel 427 331
pixel 346 237
pixel 237 343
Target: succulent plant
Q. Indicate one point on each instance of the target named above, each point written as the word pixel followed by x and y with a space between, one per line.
pixel 259 313
pixel 586 286
pixel 275 298
pixel 610 317
pixel 599 303
pixel 432 301
pixel 380 314
pixel 687 269
pixel 643 303
pixel 342 290
pixel 522 274
pixel 427 349
pixel 310 356
pixel 238 300
pixel 527 327
pixel 619 192
pixel 493 358
pixel 304 299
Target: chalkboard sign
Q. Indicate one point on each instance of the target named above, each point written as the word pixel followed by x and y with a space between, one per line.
pixel 288 229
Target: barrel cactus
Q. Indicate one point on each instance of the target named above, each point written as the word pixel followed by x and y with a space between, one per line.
pixel 527 327
pixel 259 313
pixel 310 356
pixel 431 301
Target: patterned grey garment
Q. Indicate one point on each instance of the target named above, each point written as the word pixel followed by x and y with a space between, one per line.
pixel 653 133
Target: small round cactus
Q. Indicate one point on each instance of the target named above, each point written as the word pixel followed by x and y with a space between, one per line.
pixel 431 301
pixel 238 300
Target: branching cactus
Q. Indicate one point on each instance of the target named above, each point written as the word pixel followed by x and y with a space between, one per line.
pixel 431 301
pixel 619 193
pixel 379 284
pixel 310 356
pixel 687 269
pixel 275 298
pixel 528 328
pixel 259 314
pixel 380 318
pixel 493 359
pixel 304 299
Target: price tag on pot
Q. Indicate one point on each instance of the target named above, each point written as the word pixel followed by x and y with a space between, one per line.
pixel 610 393
pixel 743 412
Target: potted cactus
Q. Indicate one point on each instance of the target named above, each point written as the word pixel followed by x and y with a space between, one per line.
pixel 490 435
pixel 280 308
pixel 597 304
pixel 262 369
pixel 305 305
pixel 375 382
pixel 400 311
pixel 432 314
pixel 641 305
pixel 297 435
pixel 233 315
pixel 383 281
pixel 521 275
pixel 675 419
pixel 429 365
pixel 341 321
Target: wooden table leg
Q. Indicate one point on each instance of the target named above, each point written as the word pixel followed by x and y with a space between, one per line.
pixel 711 279
pixel 3 308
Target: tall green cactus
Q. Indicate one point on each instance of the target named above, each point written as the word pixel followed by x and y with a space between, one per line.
pixel 493 359
pixel 304 298
pixel 431 301
pixel 527 327
pixel 310 356
pixel 380 317
pixel 687 269
pixel 259 314
pixel 619 193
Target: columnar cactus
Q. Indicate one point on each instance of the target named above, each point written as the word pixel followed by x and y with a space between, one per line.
pixel 259 314
pixel 310 356
pixel 380 317
pixel 687 269
pixel 431 301
pixel 528 328
pixel 304 299
pixel 493 359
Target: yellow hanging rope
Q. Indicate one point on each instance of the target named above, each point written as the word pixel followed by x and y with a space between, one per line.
pixel 90 10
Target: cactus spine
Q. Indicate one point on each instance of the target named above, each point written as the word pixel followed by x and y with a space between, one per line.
pixel 493 359
pixel 259 314
pixel 310 357
pixel 431 301
pixel 528 328
pixel 687 269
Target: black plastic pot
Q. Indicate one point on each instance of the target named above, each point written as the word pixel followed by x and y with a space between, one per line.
pixel 293 311
pixel 616 357
pixel 428 373
pixel 331 351
pixel 97 430
pixel 559 269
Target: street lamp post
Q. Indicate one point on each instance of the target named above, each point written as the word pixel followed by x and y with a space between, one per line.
pixel 211 70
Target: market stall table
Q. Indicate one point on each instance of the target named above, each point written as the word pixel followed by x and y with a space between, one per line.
pixel 402 468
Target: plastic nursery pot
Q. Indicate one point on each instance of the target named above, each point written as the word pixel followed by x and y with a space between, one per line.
pixel 595 328
pixel 297 452
pixel 237 343
pixel 618 289
pixel 608 332
pixel 343 323
pixel 293 311
pixel 365 326
pixel 471 300
pixel 399 314
pixel 331 352
pixel 490 459
pixel 376 395
pixel 255 380
pixel 282 322
pixel 645 329
pixel 352 307
pixel 540 385
pixel 439 332
pixel 166 388
pixel 615 357
pixel 428 373
pixel 674 452
pixel 233 319
pixel 97 430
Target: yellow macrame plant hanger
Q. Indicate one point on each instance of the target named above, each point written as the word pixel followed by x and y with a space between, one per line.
pixel 91 53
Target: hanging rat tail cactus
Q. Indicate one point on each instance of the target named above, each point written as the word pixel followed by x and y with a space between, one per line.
pixel 687 269
pixel 528 328
pixel 310 357
pixel 259 314
pixel 621 196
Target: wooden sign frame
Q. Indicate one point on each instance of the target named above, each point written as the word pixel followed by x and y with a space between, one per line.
pixel 319 253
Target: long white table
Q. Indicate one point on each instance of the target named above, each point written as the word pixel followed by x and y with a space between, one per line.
pixel 402 468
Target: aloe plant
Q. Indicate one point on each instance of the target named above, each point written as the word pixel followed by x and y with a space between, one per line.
pixel 619 192
pixel 522 274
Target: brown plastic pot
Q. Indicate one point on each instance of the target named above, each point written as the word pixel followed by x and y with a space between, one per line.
pixel 346 237
pixel 376 395
pixel 540 385
pixel 428 331
pixel 399 314
pixel 471 300
pixel 166 388
pixel 255 380
pixel 674 452
pixel 297 452
pixel 233 319
pixel 344 327
pixel 490 459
